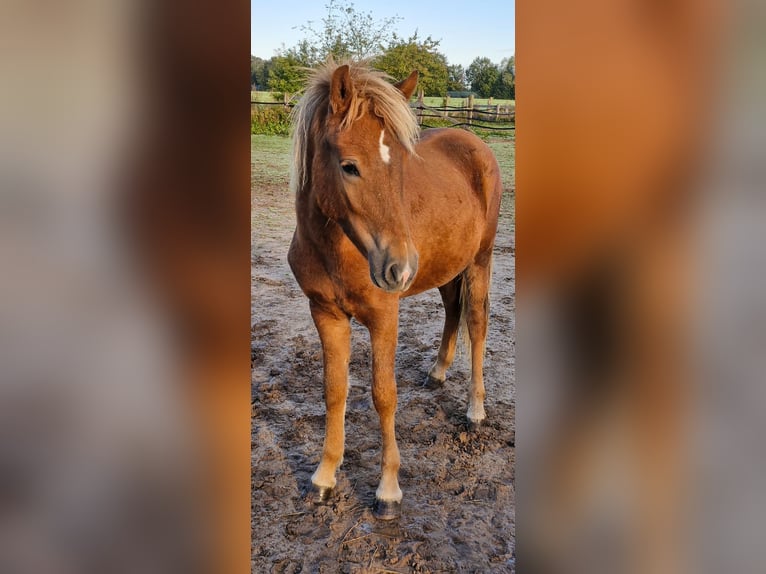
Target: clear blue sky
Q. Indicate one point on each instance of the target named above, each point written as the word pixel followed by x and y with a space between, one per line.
pixel 467 29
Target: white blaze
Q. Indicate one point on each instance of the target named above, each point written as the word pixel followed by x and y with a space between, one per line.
pixel 406 274
pixel 384 153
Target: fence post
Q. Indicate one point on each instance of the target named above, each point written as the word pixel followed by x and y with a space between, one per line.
pixel 420 107
pixel 497 113
pixel 470 109
pixel 445 113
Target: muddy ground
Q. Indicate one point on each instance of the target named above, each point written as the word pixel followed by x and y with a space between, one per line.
pixel 458 485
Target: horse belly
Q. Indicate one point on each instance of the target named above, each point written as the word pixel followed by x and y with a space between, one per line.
pixel 448 240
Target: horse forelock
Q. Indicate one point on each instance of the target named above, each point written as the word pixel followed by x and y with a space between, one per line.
pixel 372 92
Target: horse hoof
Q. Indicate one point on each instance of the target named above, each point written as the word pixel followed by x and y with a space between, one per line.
pixel 432 383
pixel 319 494
pixel 387 509
pixel 475 426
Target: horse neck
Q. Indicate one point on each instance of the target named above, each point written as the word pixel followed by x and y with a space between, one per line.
pixel 312 220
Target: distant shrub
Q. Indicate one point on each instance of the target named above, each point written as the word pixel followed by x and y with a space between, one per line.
pixel 270 120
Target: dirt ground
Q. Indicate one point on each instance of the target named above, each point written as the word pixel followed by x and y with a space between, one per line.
pixel 458 485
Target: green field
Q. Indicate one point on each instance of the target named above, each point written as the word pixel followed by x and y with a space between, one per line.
pixel 505 152
pixel 270 174
pixel 264 97
pixel 270 159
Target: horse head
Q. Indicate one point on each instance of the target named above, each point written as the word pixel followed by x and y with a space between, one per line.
pixel 364 157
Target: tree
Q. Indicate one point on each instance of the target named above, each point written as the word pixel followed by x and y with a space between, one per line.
pixel 259 72
pixel 482 74
pixel 405 55
pixel 505 85
pixel 304 54
pixel 286 74
pixel 455 78
pixel 345 33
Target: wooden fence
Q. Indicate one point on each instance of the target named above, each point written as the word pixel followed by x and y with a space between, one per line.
pixel 467 114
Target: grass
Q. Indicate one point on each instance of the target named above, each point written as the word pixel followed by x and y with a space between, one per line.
pixel 505 152
pixel 263 97
pixel 270 159
pixel 270 168
pixel 507 133
pixel 271 203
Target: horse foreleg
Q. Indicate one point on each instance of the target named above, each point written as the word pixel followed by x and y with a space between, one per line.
pixel 383 334
pixel 477 319
pixel 451 298
pixel 335 333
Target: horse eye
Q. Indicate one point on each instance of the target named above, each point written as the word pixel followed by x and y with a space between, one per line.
pixel 349 168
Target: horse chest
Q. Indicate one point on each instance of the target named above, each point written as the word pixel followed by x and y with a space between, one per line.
pixel 352 290
pixel 332 275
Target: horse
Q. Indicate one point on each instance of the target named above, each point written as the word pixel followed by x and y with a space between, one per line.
pixel 385 212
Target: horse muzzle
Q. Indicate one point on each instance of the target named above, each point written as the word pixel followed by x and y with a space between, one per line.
pixel 391 273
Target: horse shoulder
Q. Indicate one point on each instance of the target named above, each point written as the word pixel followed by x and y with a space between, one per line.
pixel 308 269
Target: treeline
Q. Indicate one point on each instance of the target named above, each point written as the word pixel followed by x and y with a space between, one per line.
pixel 347 33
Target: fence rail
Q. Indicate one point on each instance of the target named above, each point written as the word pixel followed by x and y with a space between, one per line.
pixel 469 114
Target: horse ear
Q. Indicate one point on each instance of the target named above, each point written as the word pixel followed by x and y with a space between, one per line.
pixel 407 87
pixel 340 90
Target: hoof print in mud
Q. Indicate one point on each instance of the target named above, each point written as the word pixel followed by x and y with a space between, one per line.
pixel 386 509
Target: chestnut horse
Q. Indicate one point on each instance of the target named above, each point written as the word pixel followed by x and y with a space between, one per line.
pixel 383 213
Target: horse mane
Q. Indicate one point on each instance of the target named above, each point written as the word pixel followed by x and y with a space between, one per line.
pixel 369 85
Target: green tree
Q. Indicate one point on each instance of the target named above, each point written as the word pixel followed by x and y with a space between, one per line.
pixel 344 33
pixel 304 54
pixel 286 74
pixel 482 74
pixel 259 72
pixel 455 78
pixel 405 55
pixel 505 85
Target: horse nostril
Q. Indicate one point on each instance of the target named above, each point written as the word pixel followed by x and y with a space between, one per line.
pixel 393 273
pixel 398 274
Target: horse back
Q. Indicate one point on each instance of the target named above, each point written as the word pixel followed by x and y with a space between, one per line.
pixel 458 161
pixel 454 188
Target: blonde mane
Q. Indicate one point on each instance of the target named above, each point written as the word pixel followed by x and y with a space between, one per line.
pixel 369 85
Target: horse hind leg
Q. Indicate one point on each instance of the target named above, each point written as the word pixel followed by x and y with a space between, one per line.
pixel 451 298
pixel 475 311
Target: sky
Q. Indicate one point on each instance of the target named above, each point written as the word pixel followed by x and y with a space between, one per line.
pixel 467 29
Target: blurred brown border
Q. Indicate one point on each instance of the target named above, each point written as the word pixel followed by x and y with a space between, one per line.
pixel 615 100
pixel 190 213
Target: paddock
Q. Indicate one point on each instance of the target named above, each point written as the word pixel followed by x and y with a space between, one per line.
pixel 459 509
